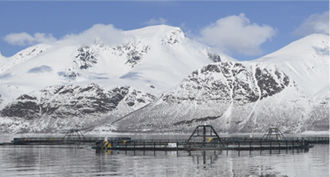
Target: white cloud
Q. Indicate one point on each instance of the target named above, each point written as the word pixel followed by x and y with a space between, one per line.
pixel 158 21
pixel 44 38
pixel 23 39
pixel 106 34
pixel 236 34
pixel 103 33
pixel 316 23
pixel 20 39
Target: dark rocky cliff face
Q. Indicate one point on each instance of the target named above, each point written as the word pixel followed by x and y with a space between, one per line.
pixel 268 84
pixel 235 97
pixel 85 58
pixel 133 51
pixel 231 81
pixel 26 106
pixel 82 102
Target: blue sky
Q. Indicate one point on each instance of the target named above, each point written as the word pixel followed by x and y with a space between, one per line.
pixel 243 29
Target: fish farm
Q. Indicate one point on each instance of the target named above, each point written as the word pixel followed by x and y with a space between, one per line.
pixel 204 137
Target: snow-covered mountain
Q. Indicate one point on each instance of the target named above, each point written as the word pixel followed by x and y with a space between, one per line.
pixel 288 89
pixel 152 53
pixel 155 78
pixel 51 86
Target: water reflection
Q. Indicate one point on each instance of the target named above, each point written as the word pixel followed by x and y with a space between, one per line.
pixel 81 160
pixel 204 157
pixel 203 153
pixel 235 163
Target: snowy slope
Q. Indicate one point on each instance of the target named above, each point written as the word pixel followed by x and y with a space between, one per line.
pixel 2 59
pixel 304 59
pixel 286 89
pixel 22 56
pixel 157 58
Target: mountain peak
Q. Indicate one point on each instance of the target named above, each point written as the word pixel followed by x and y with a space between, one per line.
pixel 314 46
pixel 2 59
pixel 156 29
pixel 303 59
pixel 165 33
pixel 1 56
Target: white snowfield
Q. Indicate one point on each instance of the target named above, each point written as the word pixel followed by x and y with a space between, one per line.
pixel 155 59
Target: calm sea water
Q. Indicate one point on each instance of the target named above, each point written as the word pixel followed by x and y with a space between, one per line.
pixel 81 160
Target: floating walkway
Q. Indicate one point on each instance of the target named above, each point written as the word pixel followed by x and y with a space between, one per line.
pixel 177 146
pixel 204 137
pixel 73 136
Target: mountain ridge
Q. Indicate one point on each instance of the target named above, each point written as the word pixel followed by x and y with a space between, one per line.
pixel 162 80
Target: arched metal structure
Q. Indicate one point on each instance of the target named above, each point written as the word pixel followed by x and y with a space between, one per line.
pixel 273 134
pixel 73 134
pixel 202 133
